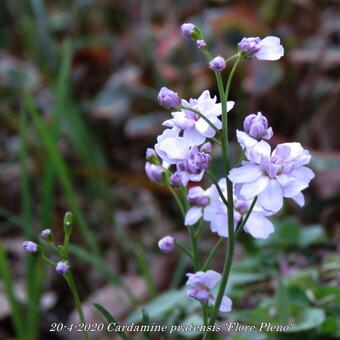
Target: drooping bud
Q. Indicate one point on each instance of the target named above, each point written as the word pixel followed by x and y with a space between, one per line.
pixel 217 64
pixel 166 244
pixel 154 172
pixel 68 220
pixel 191 31
pixel 168 98
pixel 256 126
pixel 198 197
pixel 46 234
pixel 30 247
pixel 62 267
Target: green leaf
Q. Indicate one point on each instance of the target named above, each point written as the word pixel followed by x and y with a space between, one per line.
pixel 311 235
pixel 308 319
pixel 109 318
pixel 161 305
pixel 282 303
pixel 193 319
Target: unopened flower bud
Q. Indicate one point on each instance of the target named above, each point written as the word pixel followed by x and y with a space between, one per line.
pixel 168 98
pixel 201 44
pixel 154 172
pixel 198 197
pixel 191 31
pixel 256 126
pixel 46 234
pixel 68 219
pixel 151 156
pixel 176 179
pixel 30 247
pixel 250 45
pixel 217 64
pixel 166 244
pixel 62 267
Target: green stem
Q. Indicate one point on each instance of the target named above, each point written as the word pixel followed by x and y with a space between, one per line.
pixel 245 219
pixel 205 314
pixel 226 160
pixel 185 251
pixel 177 199
pixel 69 279
pixel 212 254
pixel 220 192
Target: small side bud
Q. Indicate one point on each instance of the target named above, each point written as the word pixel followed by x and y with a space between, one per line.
pixel 191 31
pixel 30 247
pixel 166 244
pixel 217 64
pixel 168 98
pixel 68 221
pixel 176 179
pixel 152 157
pixel 62 267
pixel 154 172
pixel 46 235
pixel 201 44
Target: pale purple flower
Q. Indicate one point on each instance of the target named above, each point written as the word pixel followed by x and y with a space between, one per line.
pixel 215 212
pixel 188 30
pixel 154 172
pixel 176 179
pixel 196 129
pixel 206 147
pixel 271 176
pixel 268 48
pixel 198 197
pixel 255 128
pixel 217 64
pixel 193 166
pixel 62 267
pixel 30 247
pixel 46 234
pixel 168 98
pixel 201 285
pixel 201 44
pixel 166 244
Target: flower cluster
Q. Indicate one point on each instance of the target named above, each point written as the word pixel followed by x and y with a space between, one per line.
pixel 250 193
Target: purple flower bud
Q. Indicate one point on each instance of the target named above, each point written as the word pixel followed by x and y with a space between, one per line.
pixel 188 30
pixel 217 64
pixel 256 126
pixel 196 161
pixel 176 179
pixel 198 197
pixel 151 156
pixel 154 172
pixel 250 46
pixel 206 147
pixel 168 98
pixel 62 267
pixel 201 43
pixel 46 234
pixel 166 244
pixel 30 247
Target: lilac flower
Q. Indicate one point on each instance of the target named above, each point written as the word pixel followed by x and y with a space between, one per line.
pixel 166 244
pixel 255 129
pixel 268 48
pixel 193 166
pixel 176 179
pixel 201 284
pixel 196 129
pixel 62 267
pixel 198 197
pixel 46 234
pixel 154 172
pixel 30 247
pixel 215 212
pixel 168 98
pixel 201 44
pixel 273 175
pixel 188 30
pixel 217 64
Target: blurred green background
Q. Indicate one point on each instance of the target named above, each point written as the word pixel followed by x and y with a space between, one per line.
pixel 78 87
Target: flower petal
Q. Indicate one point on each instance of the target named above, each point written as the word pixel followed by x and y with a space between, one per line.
pixel 193 215
pixel 259 226
pixel 272 197
pixel 245 173
pixel 270 49
pixel 251 189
